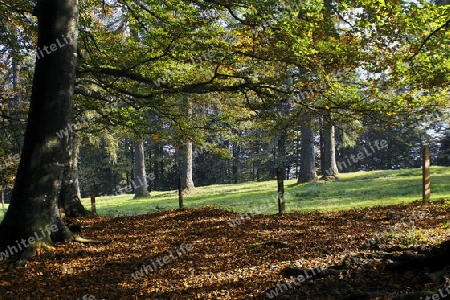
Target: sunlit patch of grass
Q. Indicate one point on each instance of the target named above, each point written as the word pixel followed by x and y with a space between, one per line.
pixel 352 190
pixel 409 235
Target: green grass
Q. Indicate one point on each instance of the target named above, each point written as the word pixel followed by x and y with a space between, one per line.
pixel 352 190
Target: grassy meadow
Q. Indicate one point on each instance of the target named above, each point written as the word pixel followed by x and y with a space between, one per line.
pixel 352 190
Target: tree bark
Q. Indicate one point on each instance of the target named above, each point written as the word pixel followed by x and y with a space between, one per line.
pixel 187 182
pixel 280 181
pixel 45 157
pixel 141 184
pixel 158 167
pixel 322 147
pixel 17 127
pixel 235 166
pixel 70 198
pixel 328 156
pixel 307 156
pixel 187 155
pixel 281 155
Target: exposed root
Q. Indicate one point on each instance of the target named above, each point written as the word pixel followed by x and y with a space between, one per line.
pixel 79 239
pixel 436 261
pixel 30 252
pixel 330 177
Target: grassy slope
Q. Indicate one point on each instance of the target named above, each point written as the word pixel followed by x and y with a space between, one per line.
pixel 360 189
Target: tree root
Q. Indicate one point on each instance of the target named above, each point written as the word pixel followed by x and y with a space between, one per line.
pixel 79 239
pixel 37 248
pixel 436 261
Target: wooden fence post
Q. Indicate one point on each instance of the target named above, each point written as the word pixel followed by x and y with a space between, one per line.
pixel 426 181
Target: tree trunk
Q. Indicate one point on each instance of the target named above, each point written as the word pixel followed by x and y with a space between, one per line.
pixel 281 160
pixel 33 211
pixel 236 151
pixel 187 182
pixel 187 155
pixel 17 126
pixel 141 184
pixel 322 147
pixel 281 169
pixel 328 156
pixel 307 156
pixel 280 181
pixel 133 162
pixel 158 167
pixel 70 199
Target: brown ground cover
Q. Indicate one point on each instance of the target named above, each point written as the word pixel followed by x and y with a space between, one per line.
pixel 196 254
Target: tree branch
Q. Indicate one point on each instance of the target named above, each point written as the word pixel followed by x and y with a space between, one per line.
pixel 429 37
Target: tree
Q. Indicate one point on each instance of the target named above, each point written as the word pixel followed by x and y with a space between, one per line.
pixel 187 183
pixel 328 155
pixel 307 156
pixel 45 157
pixel 70 195
pixel 444 153
pixel 141 189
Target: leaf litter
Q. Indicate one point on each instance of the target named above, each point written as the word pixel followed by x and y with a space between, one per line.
pixel 246 261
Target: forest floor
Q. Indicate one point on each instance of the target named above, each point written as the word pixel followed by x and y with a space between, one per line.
pixel 205 254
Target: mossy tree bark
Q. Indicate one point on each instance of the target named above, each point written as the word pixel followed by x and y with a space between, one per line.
pixel 45 156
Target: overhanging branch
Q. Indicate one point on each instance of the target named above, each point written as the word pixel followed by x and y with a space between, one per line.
pixel 429 37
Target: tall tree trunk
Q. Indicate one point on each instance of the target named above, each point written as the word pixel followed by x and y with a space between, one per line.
pixel 281 170
pixel 186 176
pixel 151 170
pixel 281 155
pixel 328 156
pixel 307 156
pixel 133 161
pixel 322 147
pixel 258 159
pixel 158 167
pixel 141 184
pixel 16 83
pixel 161 168
pixel 236 152
pixel 17 126
pixel 33 211
pixel 70 199
pixel 187 183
